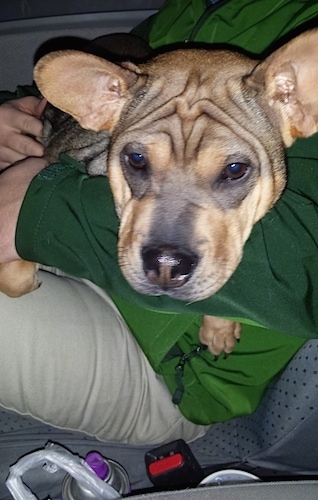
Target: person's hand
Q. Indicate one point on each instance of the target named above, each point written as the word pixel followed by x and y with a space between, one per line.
pixel 14 183
pixel 20 129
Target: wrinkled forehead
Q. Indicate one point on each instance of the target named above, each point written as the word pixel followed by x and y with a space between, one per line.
pixel 188 129
pixel 185 112
pixel 188 85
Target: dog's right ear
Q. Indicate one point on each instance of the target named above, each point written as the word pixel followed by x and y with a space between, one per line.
pixel 288 80
pixel 89 88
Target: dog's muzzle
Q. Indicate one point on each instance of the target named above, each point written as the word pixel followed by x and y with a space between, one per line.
pixel 168 266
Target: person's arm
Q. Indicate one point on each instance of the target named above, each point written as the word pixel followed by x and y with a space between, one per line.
pixel 14 183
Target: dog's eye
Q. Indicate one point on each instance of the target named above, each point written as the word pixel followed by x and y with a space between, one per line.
pixel 234 171
pixel 136 160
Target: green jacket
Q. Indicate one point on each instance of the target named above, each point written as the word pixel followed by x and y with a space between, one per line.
pixel 68 220
pixel 254 25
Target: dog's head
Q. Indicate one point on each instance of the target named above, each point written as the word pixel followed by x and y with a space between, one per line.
pixel 197 151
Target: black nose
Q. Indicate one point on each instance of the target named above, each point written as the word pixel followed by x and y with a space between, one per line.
pixel 168 266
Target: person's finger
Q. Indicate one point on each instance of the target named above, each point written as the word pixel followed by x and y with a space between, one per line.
pixel 22 146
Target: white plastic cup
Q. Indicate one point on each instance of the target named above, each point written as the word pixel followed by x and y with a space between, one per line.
pixel 228 476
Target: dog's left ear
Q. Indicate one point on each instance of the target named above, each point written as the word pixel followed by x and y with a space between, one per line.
pixel 290 76
pixel 89 88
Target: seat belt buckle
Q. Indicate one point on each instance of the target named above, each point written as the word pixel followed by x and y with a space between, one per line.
pixel 173 465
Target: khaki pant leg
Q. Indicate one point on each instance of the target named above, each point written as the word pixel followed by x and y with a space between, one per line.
pixel 68 359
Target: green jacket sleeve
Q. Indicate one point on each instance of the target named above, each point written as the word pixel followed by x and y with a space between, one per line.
pixel 68 221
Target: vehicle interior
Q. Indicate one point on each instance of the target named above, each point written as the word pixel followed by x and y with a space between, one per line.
pixel 272 442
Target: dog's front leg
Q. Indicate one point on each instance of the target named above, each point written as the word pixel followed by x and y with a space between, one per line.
pixel 18 277
pixel 219 334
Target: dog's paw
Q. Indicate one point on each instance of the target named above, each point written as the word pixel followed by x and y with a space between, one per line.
pixel 18 278
pixel 219 334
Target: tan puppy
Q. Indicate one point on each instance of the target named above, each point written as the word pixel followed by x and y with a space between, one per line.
pixel 196 156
